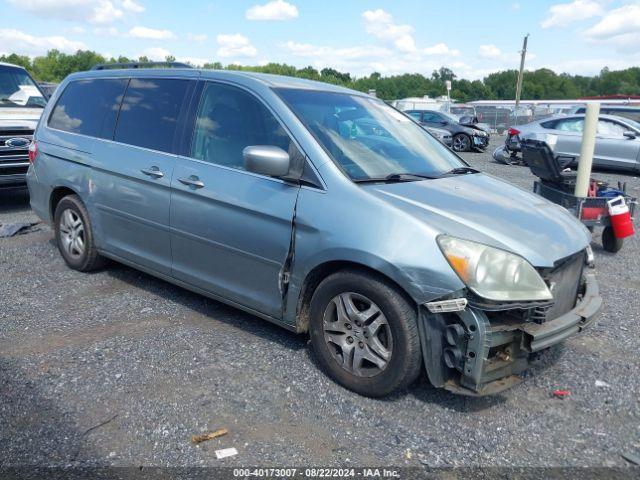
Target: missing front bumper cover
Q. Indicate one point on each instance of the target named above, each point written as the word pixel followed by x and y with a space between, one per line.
pixel 493 352
pixel 444 306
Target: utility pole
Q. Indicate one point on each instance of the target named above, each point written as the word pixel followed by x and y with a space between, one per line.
pixel 523 55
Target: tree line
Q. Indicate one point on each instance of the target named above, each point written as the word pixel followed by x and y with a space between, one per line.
pixel 537 84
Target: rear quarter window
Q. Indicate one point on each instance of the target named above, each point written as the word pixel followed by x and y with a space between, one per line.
pixel 89 107
pixel 149 114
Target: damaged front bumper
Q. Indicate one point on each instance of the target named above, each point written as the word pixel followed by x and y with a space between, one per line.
pixel 478 352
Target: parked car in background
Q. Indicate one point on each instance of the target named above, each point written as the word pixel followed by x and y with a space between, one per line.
pixel 617 140
pixel 498 118
pixel 632 113
pixel 21 104
pixel 462 110
pixel 464 137
pixel 318 208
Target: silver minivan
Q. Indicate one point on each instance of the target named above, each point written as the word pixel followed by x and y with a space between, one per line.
pixel 267 193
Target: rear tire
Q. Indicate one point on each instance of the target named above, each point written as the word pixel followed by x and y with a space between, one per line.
pixel 364 333
pixel 74 235
pixel 609 241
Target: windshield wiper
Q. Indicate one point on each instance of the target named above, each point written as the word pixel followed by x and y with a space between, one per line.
pixel 461 171
pixel 396 177
pixel 8 100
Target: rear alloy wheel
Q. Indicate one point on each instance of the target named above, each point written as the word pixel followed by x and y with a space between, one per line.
pixel 461 142
pixel 74 235
pixel 364 333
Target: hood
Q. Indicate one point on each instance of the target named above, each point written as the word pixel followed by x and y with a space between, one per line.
pixel 484 209
pixel 477 126
pixel 9 115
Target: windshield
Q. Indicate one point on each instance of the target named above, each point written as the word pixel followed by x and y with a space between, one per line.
pixel 18 90
pixel 368 138
pixel 452 117
pixel 633 123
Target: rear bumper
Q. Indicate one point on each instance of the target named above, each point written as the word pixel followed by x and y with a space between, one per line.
pixel 490 351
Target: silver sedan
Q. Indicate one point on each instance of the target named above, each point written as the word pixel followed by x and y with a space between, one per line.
pixel 617 140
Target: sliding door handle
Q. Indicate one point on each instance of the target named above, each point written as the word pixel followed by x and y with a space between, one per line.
pixel 192 181
pixel 153 172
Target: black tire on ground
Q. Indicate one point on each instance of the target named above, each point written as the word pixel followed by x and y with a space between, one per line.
pixel 400 334
pixel 461 142
pixel 82 254
pixel 609 241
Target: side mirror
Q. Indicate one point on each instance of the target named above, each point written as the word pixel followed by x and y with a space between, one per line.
pixel 630 135
pixel 266 160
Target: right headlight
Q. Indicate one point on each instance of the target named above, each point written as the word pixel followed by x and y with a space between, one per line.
pixel 492 273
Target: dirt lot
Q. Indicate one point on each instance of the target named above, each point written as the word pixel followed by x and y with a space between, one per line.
pixel 119 368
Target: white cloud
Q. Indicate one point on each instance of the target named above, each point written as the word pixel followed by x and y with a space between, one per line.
pixel 563 14
pixel 346 53
pixel 274 10
pixel 92 11
pixel 489 51
pixel 106 31
pixel 380 24
pixel 151 33
pixel 620 21
pixel 12 40
pixel 196 61
pixel 131 6
pixel 155 54
pixel 235 45
pixel 441 49
pixel 197 37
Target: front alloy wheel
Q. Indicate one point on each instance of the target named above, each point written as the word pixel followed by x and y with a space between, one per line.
pixel 358 334
pixel 461 143
pixel 364 332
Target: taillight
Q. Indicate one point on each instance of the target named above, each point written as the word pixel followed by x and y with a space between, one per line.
pixel 33 151
pixel 513 132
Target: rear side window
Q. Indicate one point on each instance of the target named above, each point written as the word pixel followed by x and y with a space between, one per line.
pixel 89 107
pixel 149 113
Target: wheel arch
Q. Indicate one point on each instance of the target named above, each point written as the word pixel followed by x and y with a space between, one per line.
pixel 57 194
pixel 323 270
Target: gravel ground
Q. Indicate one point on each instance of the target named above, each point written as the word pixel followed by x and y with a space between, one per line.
pixel 119 368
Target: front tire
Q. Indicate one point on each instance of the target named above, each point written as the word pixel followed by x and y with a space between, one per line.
pixel 461 142
pixel 364 333
pixel 74 235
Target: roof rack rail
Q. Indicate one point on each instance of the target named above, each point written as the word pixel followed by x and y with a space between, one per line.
pixel 114 66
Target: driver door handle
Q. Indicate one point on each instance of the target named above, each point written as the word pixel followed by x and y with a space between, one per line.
pixel 192 181
pixel 153 172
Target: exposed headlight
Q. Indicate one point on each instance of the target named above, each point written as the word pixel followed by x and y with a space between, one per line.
pixel 492 273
